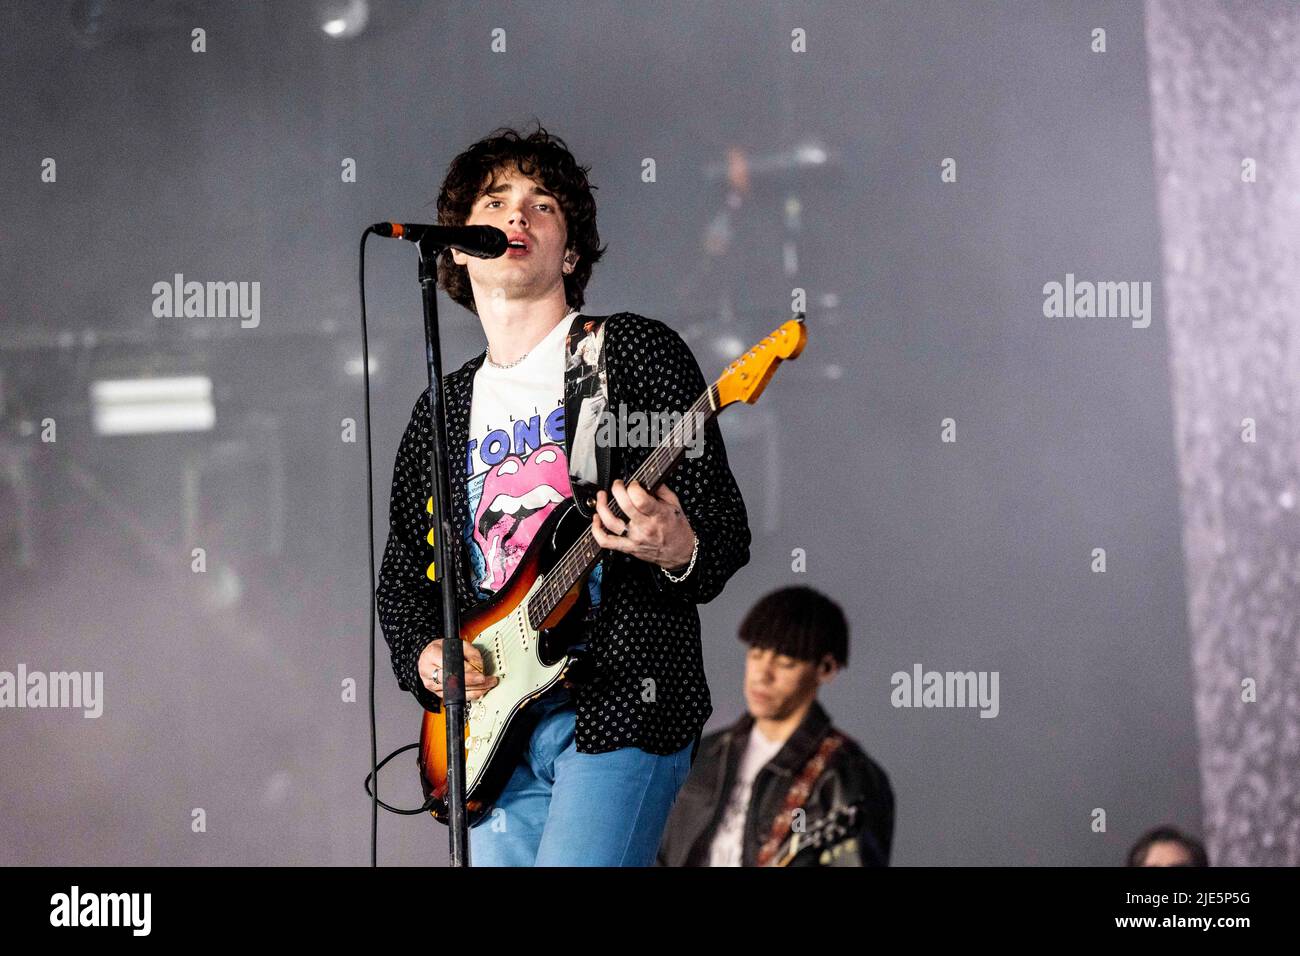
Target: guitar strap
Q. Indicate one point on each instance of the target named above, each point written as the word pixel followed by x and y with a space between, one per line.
pixel 798 795
pixel 586 396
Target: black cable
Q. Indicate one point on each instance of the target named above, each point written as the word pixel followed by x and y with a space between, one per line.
pixel 407 813
pixel 375 765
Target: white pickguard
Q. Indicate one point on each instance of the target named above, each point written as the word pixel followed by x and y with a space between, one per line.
pixel 510 652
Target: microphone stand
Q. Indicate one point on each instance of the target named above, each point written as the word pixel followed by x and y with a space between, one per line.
pixel 444 554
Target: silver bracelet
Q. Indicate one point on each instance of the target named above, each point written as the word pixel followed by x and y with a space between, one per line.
pixel 695 550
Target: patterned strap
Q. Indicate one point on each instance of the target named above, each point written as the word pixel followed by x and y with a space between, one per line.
pixel 798 794
pixel 586 396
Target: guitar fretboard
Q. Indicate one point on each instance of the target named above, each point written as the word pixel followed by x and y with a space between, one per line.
pixel 585 552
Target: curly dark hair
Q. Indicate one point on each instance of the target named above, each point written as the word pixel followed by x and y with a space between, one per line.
pixel 539 156
pixel 799 622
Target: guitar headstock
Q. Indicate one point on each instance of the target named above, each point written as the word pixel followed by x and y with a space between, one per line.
pixel 745 378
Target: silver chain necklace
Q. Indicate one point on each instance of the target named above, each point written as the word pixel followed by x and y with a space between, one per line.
pixel 487 353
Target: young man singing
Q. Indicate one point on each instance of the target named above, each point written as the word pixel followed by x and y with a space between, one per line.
pixel 612 746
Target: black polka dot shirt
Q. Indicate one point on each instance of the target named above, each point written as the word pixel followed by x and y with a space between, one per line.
pixel 645 685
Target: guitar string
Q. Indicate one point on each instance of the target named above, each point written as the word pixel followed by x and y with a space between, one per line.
pixel 585 550
pixel 582 555
pixel 570 567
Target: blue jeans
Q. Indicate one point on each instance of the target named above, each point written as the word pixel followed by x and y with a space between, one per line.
pixel 564 808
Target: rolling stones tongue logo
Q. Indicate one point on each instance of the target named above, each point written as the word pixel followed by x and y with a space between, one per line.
pixel 518 494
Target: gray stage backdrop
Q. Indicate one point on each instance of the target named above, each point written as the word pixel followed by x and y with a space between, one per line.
pixel 1226 114
pixel 990 475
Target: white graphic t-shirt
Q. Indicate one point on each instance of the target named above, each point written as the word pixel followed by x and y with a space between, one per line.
pixel 726 849
pixel 516 471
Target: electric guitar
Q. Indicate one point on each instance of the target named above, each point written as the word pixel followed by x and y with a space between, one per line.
pixel 831 837
pixel 525 630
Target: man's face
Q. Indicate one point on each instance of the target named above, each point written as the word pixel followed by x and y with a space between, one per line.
pixel 1167 853
pixel 776 686
pixel 521 208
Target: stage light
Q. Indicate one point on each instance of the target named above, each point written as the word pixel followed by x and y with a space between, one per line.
pixel 810 154
pixel 353 365
pixel 152 405
pixel 728 347
pixel 343 19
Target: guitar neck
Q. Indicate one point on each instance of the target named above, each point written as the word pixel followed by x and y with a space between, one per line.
pixel 585 552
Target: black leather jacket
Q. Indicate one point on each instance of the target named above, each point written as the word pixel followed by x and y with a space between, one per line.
pixel 850 777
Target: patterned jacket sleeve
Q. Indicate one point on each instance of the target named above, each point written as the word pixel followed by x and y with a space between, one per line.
pixel 704 484
pixel 409 604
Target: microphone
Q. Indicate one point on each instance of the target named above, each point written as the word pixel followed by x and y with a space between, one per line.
pixel 483 242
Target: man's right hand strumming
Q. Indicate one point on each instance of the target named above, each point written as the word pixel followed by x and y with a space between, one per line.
pixel 476 682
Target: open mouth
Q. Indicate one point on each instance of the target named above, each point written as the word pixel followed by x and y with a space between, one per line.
pixel 511 512
pixel 507 515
